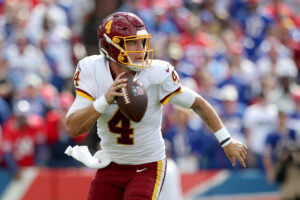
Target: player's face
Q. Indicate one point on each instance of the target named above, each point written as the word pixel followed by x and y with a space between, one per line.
pixel 134 48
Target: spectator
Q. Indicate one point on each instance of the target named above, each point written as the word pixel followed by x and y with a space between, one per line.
pixel 277 61
pixel 286 73
pixel 48 28
pixel 58 138
pixel 210 157
pixel 259 120
pixel 207 86
pixel 23 142
pixel 287 171
pixel 275 141
pixel 279 10
pixel 243 67
pixel 232 78
pixel 45 10
pixel 23 59
pixel 13 20
pixel 232 111
pixel 31 93
pixel 6 88
pixel 182 137
pixel 294 117
pixel 4 111
pixel 101 9
pixel 255 25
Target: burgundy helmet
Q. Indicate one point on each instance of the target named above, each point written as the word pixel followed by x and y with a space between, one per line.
pixel 115 31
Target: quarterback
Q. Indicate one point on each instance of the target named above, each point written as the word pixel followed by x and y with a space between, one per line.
pixel 135 149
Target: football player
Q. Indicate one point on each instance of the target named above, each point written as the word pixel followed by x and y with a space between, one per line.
pixel 136 149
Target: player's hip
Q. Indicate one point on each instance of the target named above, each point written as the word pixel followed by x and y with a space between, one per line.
pixel 128 180
pixel 134 154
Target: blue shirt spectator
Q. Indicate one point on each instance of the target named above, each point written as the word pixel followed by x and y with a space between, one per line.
pixel 4 111
pixel 255 26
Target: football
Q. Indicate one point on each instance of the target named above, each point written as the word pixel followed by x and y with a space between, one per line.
pixel 133 103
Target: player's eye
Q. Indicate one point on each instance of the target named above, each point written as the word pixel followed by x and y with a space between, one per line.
pixel 131 43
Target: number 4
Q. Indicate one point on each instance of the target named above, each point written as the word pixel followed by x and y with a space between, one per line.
pixel 175 77
pixel 119 124
pixel 76 78
pixel 108 27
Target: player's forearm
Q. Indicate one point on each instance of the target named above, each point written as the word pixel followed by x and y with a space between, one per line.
pixel 81 121
pixel 207 113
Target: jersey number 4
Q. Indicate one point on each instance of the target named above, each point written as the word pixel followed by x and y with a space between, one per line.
pixel 76 78
pixel 119 124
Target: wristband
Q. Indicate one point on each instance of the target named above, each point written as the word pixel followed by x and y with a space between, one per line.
pixel 100 104
pixel 225 142
pixel 223 137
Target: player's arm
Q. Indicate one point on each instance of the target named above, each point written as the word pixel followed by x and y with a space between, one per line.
pixel 81 120
pixel 189 99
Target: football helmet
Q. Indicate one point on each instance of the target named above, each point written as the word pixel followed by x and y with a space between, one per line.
pixel 119 29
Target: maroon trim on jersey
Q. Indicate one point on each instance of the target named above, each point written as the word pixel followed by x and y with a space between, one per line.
pixel 170 95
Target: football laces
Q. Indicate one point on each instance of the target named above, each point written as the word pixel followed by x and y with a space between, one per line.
pixel 125 96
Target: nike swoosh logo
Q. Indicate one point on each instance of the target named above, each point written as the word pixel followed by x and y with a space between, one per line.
pixel 140 170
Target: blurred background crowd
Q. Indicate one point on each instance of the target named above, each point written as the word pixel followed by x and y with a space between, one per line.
pixel 243 56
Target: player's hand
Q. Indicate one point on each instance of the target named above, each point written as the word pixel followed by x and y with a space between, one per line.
pixel 236 150
pixel 113 89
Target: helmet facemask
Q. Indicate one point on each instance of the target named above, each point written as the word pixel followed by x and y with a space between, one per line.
pixel 121 43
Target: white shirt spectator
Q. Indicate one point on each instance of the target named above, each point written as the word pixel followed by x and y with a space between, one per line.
pixel 277 61
pixel 35 25
pixel 32 60
pixel 78 11
pixel 260 120
pixel 56 37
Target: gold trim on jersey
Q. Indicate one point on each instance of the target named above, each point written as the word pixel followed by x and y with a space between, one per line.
pixel 84 94
pixel 165 100
pixel 158 181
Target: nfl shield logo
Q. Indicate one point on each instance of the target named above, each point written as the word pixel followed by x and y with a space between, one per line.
pixel 137 90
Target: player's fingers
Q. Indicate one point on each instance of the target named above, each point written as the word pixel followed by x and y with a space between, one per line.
pixel 122 80
pixel 120 75
pixel 119 81
pixel 119 94
pixel 241 160
pixel 243 155
pixel 232 160
pixel 117 87
pixel 245 152
pixel 244 147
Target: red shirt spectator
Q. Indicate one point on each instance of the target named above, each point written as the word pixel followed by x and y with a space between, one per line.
pixel 279 10
pixel 21 134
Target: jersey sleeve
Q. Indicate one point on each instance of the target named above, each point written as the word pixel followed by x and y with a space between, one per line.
pixel 83 81
pixel 79 103
pixel 170 83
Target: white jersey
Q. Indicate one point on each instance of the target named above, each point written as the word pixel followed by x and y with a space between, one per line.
pixel 125 141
